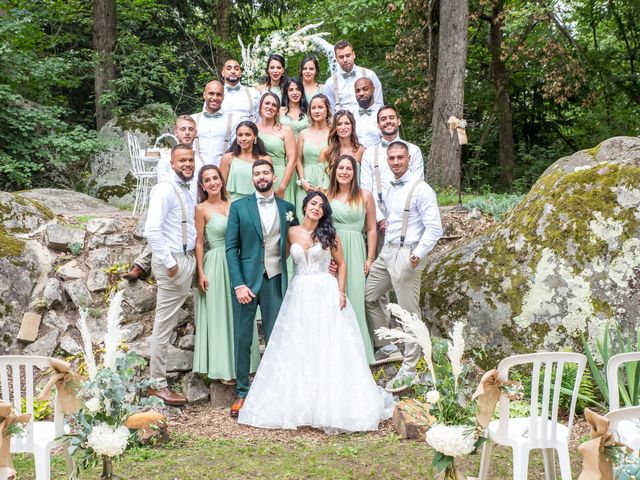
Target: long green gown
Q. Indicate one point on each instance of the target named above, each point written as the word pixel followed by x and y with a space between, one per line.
pixel 349 222
pixel 213 353
pixel 297 125
pixel 314 171
pixel 312 94
pixel 275 148
pixel 240 181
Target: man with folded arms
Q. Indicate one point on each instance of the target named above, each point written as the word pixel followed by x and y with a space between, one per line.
pixel 366 114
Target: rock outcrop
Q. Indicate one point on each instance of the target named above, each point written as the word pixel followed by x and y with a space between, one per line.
pixel 563 263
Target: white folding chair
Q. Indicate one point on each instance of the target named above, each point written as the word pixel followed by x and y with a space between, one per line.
pixel 629 427
pixel 541 430
pixel 17 382
pixel 144 175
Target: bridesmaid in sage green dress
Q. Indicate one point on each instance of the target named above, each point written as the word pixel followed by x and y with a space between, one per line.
pixel 276 76
pixel 311 141
pixel 294 106
pixel 280 144
pixel 309 70
pixel 236 164
pixel 342 141
pixel 213 353
pixel 354 212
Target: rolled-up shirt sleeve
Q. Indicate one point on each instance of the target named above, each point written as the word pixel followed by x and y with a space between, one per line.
pixel 159 204
pixel 427 206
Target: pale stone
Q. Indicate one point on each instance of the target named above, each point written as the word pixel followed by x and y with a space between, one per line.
pixel 71 271
pixel 142 347
pixel 179 360
pixel 59 238
pixel 132 331
pixel 53 293
pixel 78 293
pixel 103 225
pixel 44 346
pixel 99 258
pixel 140 296
pixel 70 345
pixel 221 396
pixel 29 328
pixel 188 342
pixel 97 281
pixel 53 320
pixel 193 388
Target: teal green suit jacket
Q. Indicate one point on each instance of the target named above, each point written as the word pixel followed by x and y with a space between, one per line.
pixel 245 245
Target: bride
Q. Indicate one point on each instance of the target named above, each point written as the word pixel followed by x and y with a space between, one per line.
pixel 314 371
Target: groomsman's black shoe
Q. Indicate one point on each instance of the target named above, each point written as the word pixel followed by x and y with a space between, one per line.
pixel 236 407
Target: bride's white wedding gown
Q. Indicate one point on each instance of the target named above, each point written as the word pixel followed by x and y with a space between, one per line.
pixel 314 371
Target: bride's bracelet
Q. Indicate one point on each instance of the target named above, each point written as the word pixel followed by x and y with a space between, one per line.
pixel 342 294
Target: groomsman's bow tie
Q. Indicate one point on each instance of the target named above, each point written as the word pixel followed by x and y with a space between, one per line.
pixel 212 115
pixel 365 111
pixel 351 74
pixel 185 185
pixel 233 89
pixel 385 144
pixel 266 201
pixel 397 183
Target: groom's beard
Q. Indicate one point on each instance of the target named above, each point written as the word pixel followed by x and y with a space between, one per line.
pixel 265 187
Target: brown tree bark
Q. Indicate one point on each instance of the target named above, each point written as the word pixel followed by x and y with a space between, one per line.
pixel 223 12
pixel 503 101
pixel 443 166
pixel 104 44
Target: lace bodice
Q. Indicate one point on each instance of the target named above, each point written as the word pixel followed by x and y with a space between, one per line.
pixel 314 260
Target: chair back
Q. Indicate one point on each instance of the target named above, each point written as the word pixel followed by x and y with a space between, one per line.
pixel 17 381
pixel 137 164
pixel 620 414
pixel 632 371
pixel 543 415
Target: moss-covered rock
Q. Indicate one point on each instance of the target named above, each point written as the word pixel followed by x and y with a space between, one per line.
pixel 562 263
pixel 110 178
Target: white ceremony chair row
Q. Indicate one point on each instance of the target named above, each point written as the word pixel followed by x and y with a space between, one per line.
pixel 145 175
pixel 16 372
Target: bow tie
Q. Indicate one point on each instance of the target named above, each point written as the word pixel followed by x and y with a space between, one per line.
pixel 365 111
pixel 397 183
pixel 233 89
pixel 185 185
pixel 266 201
pixel 212 115
pixel 351 74
pixel 385 144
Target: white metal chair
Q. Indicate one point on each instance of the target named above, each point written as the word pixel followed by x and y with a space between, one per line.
pixel 629 426
pixel 541 429
pixel 17 382
pixel 144 175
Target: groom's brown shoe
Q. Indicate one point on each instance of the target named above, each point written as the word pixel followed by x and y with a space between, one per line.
pixel 168 396
pixel 235 408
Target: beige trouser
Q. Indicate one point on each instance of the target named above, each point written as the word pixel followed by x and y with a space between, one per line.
pixel 392 269
pixel 172 293
pixel 144 259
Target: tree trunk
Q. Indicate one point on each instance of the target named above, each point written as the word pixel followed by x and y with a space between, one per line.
pixel 223 12
pixel 503 102
pixel 104 44
pixel 443 166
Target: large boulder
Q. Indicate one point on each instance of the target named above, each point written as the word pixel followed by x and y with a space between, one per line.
pixel 21 214
pixel 562 263
pixel 111 179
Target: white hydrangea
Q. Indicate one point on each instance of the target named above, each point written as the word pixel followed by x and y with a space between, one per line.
pixel 453 441
pixel 433 396
pixel 105 440
pixel 93 405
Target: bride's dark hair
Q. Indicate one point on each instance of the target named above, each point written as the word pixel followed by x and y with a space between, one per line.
pixel 325 232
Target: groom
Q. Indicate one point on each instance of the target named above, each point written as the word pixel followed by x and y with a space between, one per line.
pixel 255 243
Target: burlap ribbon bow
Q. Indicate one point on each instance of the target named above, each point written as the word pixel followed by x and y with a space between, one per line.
pixel 595 464
pixel 488 393
pixel 8 418
pixel 66 383
pixel 458 125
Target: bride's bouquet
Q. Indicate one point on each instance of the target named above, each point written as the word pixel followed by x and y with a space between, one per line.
pixel 446 388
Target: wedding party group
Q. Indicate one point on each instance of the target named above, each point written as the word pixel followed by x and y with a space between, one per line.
pixel 296 208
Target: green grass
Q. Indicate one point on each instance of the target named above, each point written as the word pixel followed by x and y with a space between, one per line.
pixel 356 456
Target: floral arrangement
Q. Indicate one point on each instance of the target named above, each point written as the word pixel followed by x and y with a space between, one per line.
pixel 109 396
pixel 446 387
pixel 285 43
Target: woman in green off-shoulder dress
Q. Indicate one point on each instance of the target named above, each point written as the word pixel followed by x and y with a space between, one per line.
pixel 353 214
pixel 214 352
pixel 294 106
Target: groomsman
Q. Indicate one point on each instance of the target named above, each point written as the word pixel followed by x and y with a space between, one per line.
pixel 339 88
pixel 367 114
pixel 413 227
pixel 216 128
pixel 238 99
pixel 171 233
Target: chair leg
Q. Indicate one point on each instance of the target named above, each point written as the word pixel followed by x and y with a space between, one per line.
pixel 565 463
pixel 549 464
pixel 42 459
pixel 520 463
pixel 485 459
pixel 135 202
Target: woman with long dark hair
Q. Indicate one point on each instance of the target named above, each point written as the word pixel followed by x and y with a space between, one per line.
pixel 280 143
pixel 276 75
pixel 213 353
pixel 342 141
pixel 309 71
pixel 237 163
pixel 354 212
pixel 294 106
pixel 314 371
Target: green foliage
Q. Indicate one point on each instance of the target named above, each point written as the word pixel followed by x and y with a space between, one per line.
pixel 42 409
pixel 75 248
pixel 496 205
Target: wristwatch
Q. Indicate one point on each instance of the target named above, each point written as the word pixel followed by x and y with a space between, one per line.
pixel 414 258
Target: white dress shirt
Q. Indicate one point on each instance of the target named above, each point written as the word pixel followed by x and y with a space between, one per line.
pixel 164 168
pixel 212 132
pixel 424 227
pixel 236 100
pixel 367 177
pixel 163 228
pixel 346 89
pixel 267 211
pixel 367 125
